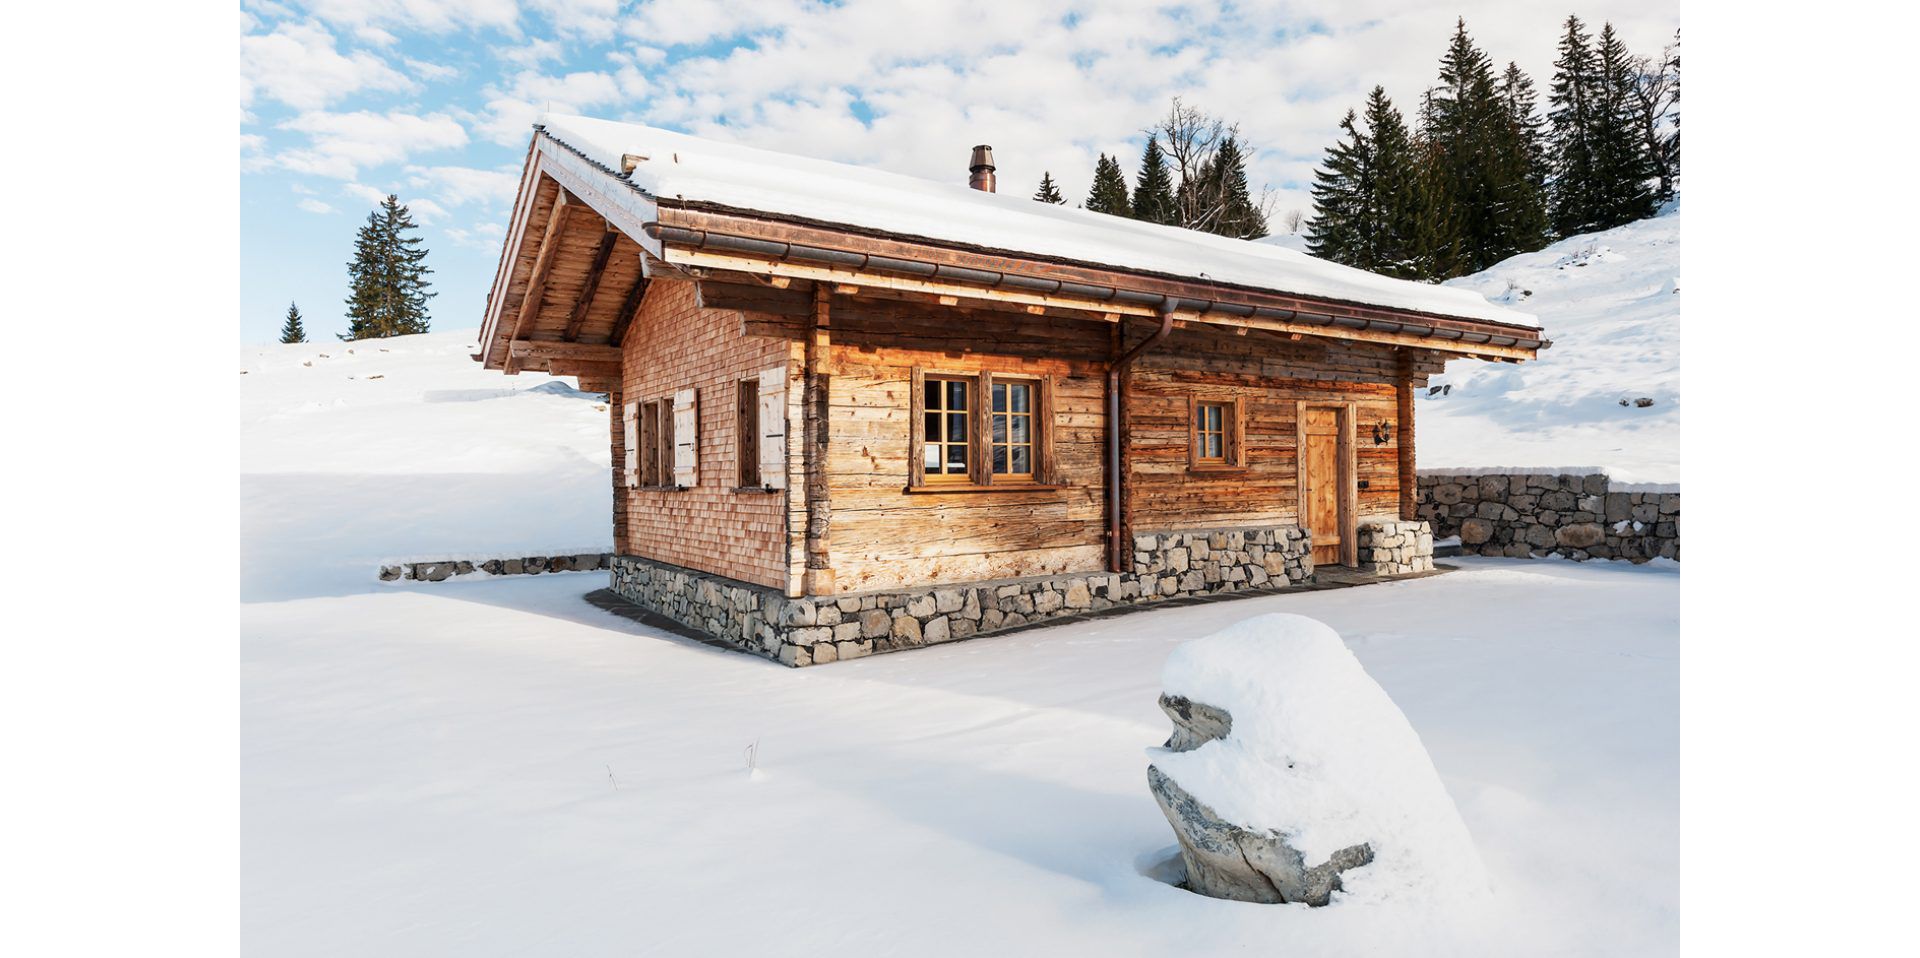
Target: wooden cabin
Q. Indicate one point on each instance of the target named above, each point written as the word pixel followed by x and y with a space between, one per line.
pixel 854 411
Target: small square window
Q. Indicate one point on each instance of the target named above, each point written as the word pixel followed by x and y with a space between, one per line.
pixel 1215 433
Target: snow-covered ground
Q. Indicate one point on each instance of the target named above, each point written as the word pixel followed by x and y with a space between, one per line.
pixel 495 767
pixel 356 452
pixel 1610 302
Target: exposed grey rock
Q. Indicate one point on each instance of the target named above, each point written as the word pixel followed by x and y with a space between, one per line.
pixel 1226 861
pixel 1583 535
pixel 1475 531
pixel 1194 723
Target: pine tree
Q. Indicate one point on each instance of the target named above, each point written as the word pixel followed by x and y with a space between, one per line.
pixel 1572 206
pixel 1153 190
pixel 1341 187
pixel 1398 193
pixel 1437 245
pixel 1481 159
pixel 387 293
pixel 1109 191
pixel 1226 182
pixel 1528 210
pixel 1622 166
pixel 1368 195
pixel 1048 192
pixel 293 330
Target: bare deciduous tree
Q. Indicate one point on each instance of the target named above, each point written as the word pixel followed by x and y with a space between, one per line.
pixel 1656 93
pixel 1192 140
pixel 1294 219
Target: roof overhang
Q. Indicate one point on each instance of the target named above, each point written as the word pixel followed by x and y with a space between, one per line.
pixel 704 240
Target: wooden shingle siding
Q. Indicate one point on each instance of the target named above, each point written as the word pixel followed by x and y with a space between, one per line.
pixel 677 353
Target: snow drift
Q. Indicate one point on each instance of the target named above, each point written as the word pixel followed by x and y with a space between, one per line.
pixel 1318 753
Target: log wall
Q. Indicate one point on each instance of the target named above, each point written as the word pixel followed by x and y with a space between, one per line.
pixel 1269 375
pixel 886 538
pixel 711 527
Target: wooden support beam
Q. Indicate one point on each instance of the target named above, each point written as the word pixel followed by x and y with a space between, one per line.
pixel 563 205
pixel 1403 437
pixel 816 438
pixel 629 310
pixel 711 294
pixel 871 282
pixel 526 349
pixel 575 367
pixel 594 272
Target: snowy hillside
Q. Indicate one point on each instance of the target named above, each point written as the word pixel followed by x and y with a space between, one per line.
pixel 1610 302
pixel 356 452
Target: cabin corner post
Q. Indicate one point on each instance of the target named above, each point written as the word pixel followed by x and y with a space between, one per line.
pixel 1404 443
pixel 616 398
pixel 815 437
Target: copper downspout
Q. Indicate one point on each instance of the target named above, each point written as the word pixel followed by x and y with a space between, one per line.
pixel 1116 549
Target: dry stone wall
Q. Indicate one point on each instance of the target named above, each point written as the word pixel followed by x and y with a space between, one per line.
pixel 440 570
pixel 1396 547
pixel 1576 515
pixel 812 631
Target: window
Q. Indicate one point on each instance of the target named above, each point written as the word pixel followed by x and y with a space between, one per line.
pixel 650 444
pixel 655 432
pixel 1012 425
pixel 980 430
pixel 746 432
pixel 1215 434
pixel 947 409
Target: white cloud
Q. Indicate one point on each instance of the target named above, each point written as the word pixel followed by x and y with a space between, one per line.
pixel 431 16
pixel 316 206
pixel 486 236
pixel 511 111
pixel 460 185
pixel 530 52
pixel 430 71
pixel 341 143
pixel 592 19
pixel 424 210
pixel 298 64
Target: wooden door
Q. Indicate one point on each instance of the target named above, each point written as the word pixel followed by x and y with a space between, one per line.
pixel 1323 482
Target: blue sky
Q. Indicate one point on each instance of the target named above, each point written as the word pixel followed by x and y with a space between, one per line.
pixel 343 101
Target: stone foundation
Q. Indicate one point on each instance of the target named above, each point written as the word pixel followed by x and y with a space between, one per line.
pixel 1395 547
pixel 811 631
pixel 1576 515
pixel 440 570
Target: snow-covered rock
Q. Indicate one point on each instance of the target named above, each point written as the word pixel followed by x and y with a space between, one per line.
pixel 1290 769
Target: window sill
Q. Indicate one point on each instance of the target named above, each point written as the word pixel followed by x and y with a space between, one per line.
pixel 939 488
pixel 1227 468
pixel 755 490
pixel 660 488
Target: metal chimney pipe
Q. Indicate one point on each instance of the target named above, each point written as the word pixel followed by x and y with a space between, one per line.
pixel 981 166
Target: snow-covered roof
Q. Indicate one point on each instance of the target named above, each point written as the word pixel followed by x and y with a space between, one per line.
pixel 686 168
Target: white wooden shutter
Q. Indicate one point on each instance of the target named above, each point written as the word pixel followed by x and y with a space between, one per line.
pixel 686 439
pixel 773 427
pixel 630 421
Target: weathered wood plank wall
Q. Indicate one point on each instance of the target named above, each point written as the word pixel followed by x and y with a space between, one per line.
pixel 712 526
